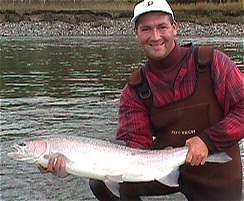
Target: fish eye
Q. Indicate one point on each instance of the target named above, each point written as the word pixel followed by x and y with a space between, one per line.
pixel 22 144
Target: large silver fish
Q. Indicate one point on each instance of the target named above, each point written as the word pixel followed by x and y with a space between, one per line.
pixel 108 162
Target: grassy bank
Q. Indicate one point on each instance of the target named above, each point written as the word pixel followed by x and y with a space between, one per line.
pixel 200 12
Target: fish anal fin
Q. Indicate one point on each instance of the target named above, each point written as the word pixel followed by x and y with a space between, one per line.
pixel 112 185
pixel 114 178
pixel 170 179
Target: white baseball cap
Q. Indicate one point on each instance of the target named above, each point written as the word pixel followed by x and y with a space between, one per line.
pixel 151 6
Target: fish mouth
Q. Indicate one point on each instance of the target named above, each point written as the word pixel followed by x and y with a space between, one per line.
pixel 17 153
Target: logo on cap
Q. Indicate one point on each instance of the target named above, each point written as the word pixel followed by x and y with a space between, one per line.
pixel 149 3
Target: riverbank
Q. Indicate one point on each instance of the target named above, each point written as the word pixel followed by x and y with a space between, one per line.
pixel 197 12
pixel 104 26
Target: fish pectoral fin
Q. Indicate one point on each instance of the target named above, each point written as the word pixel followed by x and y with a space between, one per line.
pixel 113 186
pixel 170 179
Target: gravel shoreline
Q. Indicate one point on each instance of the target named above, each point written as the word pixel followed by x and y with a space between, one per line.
pixel 109 27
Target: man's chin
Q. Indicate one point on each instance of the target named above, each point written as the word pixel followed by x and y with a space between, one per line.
pixel 156 57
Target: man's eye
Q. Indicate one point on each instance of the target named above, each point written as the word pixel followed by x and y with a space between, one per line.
pixel 162 27
pixel 145 29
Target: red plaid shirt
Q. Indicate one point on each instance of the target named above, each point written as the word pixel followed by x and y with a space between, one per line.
pixel 134 121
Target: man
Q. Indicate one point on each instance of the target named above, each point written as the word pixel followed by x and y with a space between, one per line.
pixel 177 99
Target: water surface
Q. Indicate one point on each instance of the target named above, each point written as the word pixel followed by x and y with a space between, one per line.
pixel 67 86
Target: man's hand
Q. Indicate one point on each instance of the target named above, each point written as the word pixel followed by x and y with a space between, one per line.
pixel 197 152
pixel 56 165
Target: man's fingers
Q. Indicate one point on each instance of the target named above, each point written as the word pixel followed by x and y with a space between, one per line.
pixel 195 160
pixel 197 151
pixel 204 160
pixel 60 167
pixel 188 142
pixel 63 172
pixel 189 157
pixel 56 165
pixel 51 164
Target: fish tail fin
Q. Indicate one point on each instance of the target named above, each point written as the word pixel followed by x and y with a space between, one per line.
pixel 220 157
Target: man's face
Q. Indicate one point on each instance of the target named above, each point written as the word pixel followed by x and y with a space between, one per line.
pixel 156 33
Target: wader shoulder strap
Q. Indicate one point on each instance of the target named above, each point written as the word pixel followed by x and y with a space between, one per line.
pixel 139 82
pixel 203 56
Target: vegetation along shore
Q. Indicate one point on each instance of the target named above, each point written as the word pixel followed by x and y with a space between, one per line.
pixel 203 12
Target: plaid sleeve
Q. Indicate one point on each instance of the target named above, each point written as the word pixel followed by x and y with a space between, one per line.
pixel 134 124
pixel 229 89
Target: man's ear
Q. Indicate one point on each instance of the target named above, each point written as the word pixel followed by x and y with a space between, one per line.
pixel 135 30
pixel 175 25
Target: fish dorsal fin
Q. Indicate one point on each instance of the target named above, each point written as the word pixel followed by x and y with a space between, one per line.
pixel 119 142
pixel 112 183
pixel 168 148
pixel 170 179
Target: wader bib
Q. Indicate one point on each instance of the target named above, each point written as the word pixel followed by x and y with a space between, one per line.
pixel 175 123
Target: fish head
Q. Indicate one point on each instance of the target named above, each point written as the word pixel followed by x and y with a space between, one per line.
pixel 29 151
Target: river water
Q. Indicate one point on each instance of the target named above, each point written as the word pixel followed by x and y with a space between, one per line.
pixel 67 86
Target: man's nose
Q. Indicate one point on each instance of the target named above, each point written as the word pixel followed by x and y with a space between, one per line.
pixel 155 34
